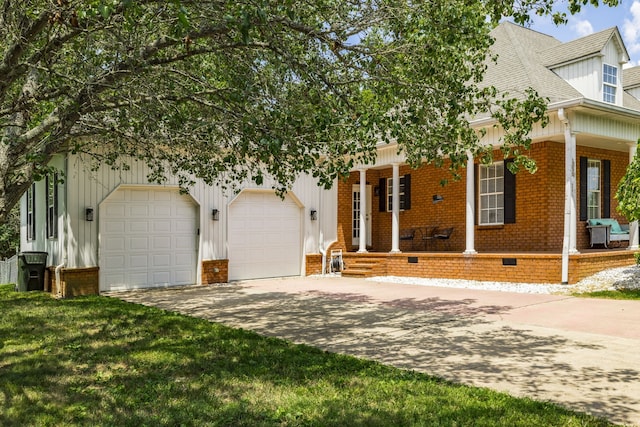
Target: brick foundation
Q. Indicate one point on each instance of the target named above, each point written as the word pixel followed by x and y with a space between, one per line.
pixel 215 271
pixel 517 267
pixel 313 264
pixel 73 282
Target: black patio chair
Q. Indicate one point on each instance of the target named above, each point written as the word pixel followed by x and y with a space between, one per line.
pixel 443 233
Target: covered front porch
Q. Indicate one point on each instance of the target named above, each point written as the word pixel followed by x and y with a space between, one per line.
pixel 518 267
pixel 495 225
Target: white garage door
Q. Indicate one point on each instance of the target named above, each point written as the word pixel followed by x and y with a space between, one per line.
pixel 264 236
pixel 148 237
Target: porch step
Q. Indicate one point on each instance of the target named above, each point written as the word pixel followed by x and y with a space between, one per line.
pixel 362 268
pixel 354 272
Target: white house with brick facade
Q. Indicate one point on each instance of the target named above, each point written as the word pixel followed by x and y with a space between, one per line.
pixel 509 227
pixel 109 229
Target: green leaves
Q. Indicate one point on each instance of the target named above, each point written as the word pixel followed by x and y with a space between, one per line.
pixel 628 193
pixel 228 91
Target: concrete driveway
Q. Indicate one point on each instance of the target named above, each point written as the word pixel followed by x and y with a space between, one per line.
pixel 581 353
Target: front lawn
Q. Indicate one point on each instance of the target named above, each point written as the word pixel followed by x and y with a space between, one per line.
pixel 618 294
pixel 101 361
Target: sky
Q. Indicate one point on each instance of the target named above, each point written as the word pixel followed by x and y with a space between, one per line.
pixel 626 16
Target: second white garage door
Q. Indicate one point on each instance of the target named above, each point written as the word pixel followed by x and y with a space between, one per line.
pixel 264 236
pixel 148 237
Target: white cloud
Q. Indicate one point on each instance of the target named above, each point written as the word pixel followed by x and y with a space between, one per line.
pixel 582 28
pixel 631 29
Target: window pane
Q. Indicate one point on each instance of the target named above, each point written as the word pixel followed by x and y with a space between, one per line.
pixel 610 74
pixel 491 190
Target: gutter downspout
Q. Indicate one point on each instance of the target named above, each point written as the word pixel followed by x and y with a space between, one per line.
pixel 63 262
pixel 568 241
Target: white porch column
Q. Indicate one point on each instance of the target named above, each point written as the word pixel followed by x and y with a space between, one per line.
pixel 363 211
pixel 395 209
pixel 634 240
pixel 570 209
pixel 471 212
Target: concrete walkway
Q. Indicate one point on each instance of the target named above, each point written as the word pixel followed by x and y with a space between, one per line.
pixel 581 353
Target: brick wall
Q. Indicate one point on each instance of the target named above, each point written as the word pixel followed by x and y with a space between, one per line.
pixel 539 222
pixel 215 271
pixel 585 265
pixel 313 264
pixel 515 268
pixel 74 282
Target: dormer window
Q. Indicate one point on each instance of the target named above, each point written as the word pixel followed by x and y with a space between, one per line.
pixel 609 83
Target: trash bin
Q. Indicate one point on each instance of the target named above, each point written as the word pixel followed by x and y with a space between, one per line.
pixel 31 268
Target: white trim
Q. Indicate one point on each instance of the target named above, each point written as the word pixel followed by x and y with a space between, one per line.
pixel 470 207
pixel 395 211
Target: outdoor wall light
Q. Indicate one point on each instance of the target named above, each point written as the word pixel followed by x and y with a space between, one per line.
pixel 88 214
pixel 314 214
pixel 437 198
pixel 215 214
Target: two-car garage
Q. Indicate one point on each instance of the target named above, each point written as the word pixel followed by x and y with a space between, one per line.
pixel 150 236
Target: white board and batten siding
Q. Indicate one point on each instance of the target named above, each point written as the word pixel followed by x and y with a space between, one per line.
pixel 94 189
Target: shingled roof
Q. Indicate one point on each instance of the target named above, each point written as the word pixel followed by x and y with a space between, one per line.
pixel 583 47
pixel 525 58
pixel 631 77
pixel 519 64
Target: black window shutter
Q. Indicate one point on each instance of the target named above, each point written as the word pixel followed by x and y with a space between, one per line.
pixel 606 188
pixel 407 192
pixel 509 194
pixel 583 189
pixel 382 202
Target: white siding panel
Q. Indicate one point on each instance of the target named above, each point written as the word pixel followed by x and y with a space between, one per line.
pixel 91 188
pixel 606 127
pixel 635 92
pixel 585 76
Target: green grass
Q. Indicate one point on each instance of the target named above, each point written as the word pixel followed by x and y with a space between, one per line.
pixel 630 294
pixel 101 361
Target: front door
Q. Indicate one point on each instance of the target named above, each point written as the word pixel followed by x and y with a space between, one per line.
pixel 355 222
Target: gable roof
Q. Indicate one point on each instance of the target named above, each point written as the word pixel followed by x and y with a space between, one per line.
pixel 631 77
pixel 523 55
pixel 583 47
pixel 519 65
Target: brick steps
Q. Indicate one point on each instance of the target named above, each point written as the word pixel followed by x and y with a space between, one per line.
pixel 362 268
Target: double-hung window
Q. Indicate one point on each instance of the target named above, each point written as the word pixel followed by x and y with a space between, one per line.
pixel 401 193
pixel 609 83
pixel 594 168
pixel 491 184
pixel 31 212
pixel 52 205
